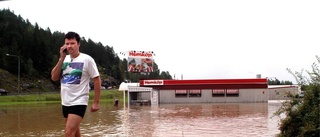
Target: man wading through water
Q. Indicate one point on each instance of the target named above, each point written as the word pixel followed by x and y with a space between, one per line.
pixel 75 71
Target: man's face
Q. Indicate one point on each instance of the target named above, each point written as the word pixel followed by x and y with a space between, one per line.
pixel 72 46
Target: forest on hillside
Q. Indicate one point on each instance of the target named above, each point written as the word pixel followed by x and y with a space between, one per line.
pixel 38 51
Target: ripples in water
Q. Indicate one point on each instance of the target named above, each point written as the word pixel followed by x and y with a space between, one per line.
pixel 174 120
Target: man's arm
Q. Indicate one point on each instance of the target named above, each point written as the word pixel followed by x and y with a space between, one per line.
pixel 97 90
pixel 55 72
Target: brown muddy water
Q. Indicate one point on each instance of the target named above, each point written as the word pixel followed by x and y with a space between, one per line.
pixel 165 120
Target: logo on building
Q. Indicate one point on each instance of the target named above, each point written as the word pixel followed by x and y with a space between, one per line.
pixel 153 82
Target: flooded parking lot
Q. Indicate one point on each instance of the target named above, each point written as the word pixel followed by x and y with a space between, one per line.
pixel 170 120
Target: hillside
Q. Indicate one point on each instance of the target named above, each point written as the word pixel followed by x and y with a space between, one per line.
pixel 30 85
pixel 9 82
pixel 38 51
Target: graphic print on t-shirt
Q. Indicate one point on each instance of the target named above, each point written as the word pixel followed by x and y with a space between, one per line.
pixel 71 72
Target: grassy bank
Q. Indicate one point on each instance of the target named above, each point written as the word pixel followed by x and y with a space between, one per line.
pixel 106 96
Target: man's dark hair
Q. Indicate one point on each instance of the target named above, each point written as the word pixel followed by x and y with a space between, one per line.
pixel 72 35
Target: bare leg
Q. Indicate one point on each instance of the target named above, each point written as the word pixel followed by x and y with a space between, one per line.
pixel 78 134
pixel 73 126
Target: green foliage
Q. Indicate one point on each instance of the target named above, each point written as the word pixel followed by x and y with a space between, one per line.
pixel 108 94
pixel 105 95
pixel 165 75
pixel 278 82
pixel 51 97
pixel 302 115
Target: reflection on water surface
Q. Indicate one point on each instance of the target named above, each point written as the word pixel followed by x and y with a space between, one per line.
pixel 174 120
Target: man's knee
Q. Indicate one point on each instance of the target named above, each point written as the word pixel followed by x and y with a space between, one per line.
pixel 70 132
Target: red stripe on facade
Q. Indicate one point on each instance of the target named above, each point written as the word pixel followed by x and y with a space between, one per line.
pixel 216 86
pixel 212 81
pixel 210 84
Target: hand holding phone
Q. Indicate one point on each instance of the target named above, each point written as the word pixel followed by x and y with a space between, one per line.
pixel 65 51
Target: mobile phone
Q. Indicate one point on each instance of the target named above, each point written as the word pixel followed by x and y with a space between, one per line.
pixel 65 51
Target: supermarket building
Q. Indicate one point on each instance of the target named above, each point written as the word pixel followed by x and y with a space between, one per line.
pixel 254 90
pixel 159 91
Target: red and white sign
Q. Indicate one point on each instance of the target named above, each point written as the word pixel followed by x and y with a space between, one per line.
pixel 153 82
pixel 140 61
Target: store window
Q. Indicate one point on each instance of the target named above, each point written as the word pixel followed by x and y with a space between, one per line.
pixel 232 92
pixel 181 93
pixel 194 93
pixel 218 92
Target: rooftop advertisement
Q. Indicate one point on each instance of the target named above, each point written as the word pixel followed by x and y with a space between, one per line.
pixel 140 61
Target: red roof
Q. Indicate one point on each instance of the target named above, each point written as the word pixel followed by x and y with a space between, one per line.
pixel 206 83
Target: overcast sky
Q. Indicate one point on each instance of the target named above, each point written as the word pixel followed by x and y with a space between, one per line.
pixel 199 39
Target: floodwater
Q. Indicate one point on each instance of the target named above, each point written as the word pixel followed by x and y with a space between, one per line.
pixel 165 120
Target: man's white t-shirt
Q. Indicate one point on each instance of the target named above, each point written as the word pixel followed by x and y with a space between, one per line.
pixel 76 75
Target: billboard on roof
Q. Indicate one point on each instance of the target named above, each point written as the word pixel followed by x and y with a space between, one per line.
pixel 140 61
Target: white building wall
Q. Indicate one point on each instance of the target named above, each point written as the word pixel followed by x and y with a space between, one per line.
pixel 253 95
pixel 144 95
pixel 155 97
pixel 245 95
pixel 281 93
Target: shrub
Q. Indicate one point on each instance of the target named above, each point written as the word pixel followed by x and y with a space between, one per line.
pixel 302 116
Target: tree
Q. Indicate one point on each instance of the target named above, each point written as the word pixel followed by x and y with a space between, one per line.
pixel 278 82
pixel 165 75
pixel 302 115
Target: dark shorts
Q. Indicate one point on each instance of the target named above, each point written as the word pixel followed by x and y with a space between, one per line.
pixel 78 110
